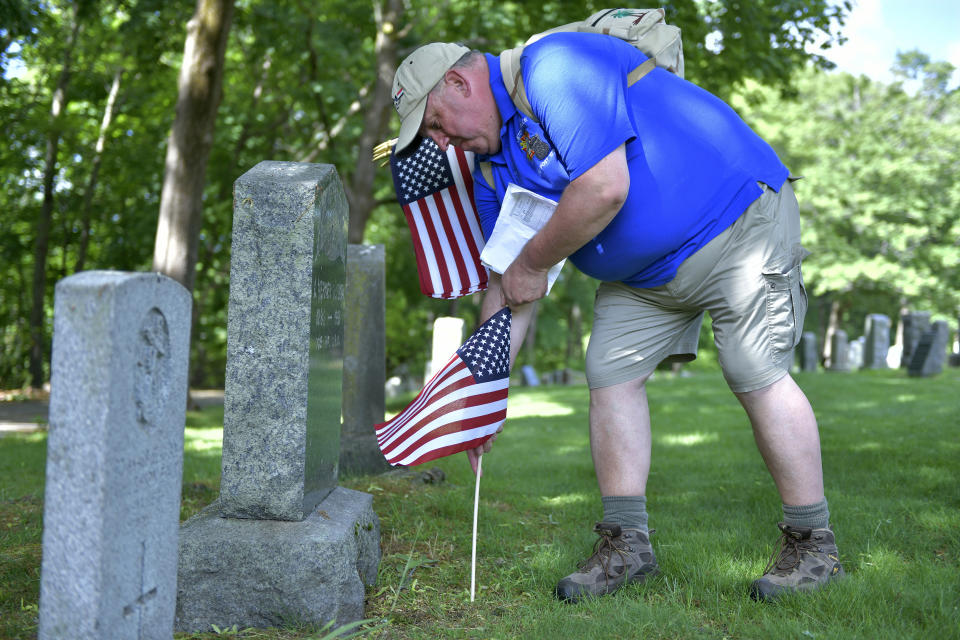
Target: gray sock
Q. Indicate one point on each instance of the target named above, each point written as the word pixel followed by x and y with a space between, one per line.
pixel 815 515
pixel 629 512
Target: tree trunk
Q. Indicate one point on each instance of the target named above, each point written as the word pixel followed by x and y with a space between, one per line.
pixel 359 191
pixel 574 336
pixel 42 239
pixel 832 325
pixel 200 88
pixel 95 171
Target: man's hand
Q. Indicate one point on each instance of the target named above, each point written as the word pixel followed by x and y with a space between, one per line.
pixel 522 283
pixel 473 455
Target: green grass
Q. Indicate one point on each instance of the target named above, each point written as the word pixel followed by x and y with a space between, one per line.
pixel 891 452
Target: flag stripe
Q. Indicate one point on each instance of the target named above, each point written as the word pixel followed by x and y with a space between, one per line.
pixel 445 414
pixel 426 268
pixel 415 420
pixel 456 385
pixel 448 256
pixel 470 220
pixel 454 238
pixel 452 372
pixel 455 442
pixel 456 447
pixel 427 213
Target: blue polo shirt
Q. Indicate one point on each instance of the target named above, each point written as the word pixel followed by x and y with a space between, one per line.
pixel 694 164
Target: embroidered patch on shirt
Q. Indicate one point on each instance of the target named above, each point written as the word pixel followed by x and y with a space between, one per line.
pixel 533 146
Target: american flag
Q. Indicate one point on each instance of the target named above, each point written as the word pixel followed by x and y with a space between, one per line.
pixel 462 405
pixel 435 190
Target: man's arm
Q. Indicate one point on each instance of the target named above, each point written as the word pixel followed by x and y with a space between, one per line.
pixel 587 206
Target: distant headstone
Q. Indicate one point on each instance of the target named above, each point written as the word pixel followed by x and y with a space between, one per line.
pixel 855 353
pixel 447 338
pixel 954 359
pixel 839 351
pixel 283 543
pixel 530 377
pixel 364 360
pixel 915 324
pixel 877 345
pixel 809 352
pixel 282 396
pixel 931 351
pixel 118 398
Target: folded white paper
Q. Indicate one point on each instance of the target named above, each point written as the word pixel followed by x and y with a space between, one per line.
pixel 522 214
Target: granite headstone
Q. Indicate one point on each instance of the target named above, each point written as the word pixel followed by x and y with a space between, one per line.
pixel 877 332
pixel 118 397
pixel 364 360
pixel 855 353
pixel 809 352
pixel 931 351
pixel 530 377
pixel 283 543
pixel 839 351
pixel 915 324
pixel 282 396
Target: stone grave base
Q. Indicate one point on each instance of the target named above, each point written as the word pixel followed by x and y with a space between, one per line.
pixel 264 573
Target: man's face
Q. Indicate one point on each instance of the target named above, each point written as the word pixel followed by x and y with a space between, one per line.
pixel 461 118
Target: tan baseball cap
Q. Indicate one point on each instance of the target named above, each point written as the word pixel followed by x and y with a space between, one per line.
pixel 416 76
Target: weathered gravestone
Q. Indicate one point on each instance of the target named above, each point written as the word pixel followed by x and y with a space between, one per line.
pixel 931 352
pixel 954 359
pixel 855 354
pixel 915 324
pixel 839 351
pixel 530 377
pixel 118 399
pixel 447 338
pixel 877 332
pixel 809 353
pixel 283 542
pixel 364 360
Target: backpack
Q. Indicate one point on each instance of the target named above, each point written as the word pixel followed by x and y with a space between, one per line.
pixel 645 29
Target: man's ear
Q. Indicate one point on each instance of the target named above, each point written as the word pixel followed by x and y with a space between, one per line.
pixel 456 80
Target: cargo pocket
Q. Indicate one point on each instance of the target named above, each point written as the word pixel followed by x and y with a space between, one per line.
pixel 786 308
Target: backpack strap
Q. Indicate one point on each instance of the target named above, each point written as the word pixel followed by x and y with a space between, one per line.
pixel 513 79
pixel 646 67
pixel 486 168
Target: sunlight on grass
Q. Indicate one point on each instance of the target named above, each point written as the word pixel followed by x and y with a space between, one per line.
pixel 688 439
pixel 566 450
pixel 525 407
pixel 567 499
pixel 202 439
pixel 866 446
pixel 882 560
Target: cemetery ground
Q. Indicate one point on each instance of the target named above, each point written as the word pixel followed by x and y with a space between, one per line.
pixel 891 452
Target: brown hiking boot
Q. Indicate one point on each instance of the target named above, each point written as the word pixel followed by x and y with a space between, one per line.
pixel 806 560
pixel 619 556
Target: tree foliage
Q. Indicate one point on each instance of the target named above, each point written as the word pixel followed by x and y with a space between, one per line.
pixel 303 81
pixel 880 197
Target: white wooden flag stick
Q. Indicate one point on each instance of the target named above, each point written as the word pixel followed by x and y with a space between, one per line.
pixel 473 556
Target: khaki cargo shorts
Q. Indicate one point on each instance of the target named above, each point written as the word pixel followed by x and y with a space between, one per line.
pixel 748 278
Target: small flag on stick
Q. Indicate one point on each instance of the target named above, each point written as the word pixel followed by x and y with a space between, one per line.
pixel 461 407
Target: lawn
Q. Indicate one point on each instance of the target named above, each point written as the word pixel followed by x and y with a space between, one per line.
pixel 892 465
